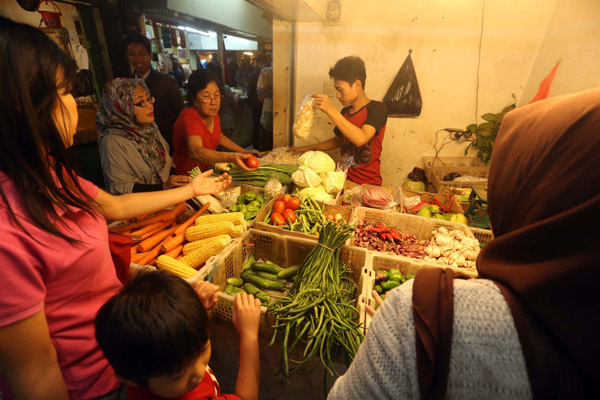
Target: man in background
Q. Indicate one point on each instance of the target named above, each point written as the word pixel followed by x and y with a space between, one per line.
pixel 163 87
pixel 264 88
pixel 255 105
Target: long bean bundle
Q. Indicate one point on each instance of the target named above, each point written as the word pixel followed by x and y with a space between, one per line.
pixel 318 310
pixel 261 176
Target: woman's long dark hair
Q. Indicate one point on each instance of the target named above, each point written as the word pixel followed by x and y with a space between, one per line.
pixel 32 152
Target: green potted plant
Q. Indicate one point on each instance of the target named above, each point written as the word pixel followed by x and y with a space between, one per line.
pixel 484 134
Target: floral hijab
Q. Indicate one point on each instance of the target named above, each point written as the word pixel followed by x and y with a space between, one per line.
pixel 116 116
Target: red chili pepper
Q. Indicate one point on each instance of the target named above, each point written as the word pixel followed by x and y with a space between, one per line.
pixel 386 236
pixel 378 229
pixel 394 234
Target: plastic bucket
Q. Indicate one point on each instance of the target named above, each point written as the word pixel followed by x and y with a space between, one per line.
pixel 51 18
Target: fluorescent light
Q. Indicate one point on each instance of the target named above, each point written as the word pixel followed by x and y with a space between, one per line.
pixel 248 53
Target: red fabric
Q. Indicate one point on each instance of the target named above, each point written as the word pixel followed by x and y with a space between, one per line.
pixel 174 42
pixel 69 282
pixel 189 123
pixel 207 389
pixel 545 86
pixel 182 41
pixel 120 251
pixel 367 157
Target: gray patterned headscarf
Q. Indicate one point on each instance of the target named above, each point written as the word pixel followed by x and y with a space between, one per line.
pixel 116 116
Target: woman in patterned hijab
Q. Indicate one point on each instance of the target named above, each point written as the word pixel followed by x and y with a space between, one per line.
pixel 134 155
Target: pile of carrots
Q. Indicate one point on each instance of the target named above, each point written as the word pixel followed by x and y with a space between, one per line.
pixel 157 234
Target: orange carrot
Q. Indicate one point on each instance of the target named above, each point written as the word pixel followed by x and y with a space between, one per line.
pixel 165 226
pixel 158 217
pixel 155 239
pixel 150 255
pixel 135 258
pixel 178 235
pixel 134 249
pixel 175 252
pixel 148 228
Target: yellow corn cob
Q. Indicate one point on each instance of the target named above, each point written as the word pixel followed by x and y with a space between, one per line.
pixel 236 217
pixel 197 244
pixel 197 257
pixel 177 267
pixel 204 231
pixel 237 230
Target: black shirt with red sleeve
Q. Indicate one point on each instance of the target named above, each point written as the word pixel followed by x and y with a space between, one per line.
pixel 366 157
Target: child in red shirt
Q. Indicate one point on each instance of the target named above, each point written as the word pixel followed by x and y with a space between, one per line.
pixel 155 335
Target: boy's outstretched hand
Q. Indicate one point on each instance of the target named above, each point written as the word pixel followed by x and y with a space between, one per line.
pixel 246 314
pixel 207 293
pixel 378 300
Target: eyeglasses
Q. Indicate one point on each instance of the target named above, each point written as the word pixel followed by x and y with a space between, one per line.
pixel 144 102
pixel 209 99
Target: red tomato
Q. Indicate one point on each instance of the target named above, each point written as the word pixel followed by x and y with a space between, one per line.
pixel 251 162
pixel 289 215
pixel 277 219
pixel 286 198
pixel 293 203
pixel 278 207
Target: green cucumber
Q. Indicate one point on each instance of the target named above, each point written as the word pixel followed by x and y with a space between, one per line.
pixel 247 273
pixel 271 277
pixel 288 272
pixel 266 267
pixel 250 288
pixel 248 263
pixel 237 282
pixel 264 284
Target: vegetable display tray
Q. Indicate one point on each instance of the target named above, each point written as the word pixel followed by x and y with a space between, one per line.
pixel 284 251
pixel 433 165
pixel 439 185
pixel 413 225
pixel 386 262
pixel 346 213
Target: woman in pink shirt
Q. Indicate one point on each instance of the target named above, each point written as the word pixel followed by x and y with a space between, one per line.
pixel 197 131
pixel 56 265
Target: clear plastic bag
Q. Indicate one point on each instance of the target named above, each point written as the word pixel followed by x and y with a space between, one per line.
pixel 273 188
pixel 305 117
pixel 372 196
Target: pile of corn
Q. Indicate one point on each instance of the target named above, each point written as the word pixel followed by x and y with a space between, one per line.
pixel 207 237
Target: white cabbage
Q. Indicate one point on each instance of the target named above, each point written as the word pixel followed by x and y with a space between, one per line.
pixel 334 181
pixel 306 177
pixel 318 161
pixel 317 193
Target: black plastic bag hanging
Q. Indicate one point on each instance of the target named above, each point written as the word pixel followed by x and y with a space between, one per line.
pixel 403 98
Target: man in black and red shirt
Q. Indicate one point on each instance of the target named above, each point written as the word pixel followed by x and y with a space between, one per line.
pixel 359 127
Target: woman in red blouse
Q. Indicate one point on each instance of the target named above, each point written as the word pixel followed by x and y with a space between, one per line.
pixel 197 131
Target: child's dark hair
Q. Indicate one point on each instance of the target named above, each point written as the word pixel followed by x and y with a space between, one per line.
pixel 135 37
pixel 349 69
pixel 156 325
pixel 197 82
pixel 33 153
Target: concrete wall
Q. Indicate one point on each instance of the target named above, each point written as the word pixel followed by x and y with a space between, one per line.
pixel 445 38
pixel 573 39
pixel 236 14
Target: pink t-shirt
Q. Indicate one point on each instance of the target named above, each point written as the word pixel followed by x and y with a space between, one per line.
pixel 70 282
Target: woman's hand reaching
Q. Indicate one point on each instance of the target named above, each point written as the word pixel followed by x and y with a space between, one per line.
pixel 204 184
